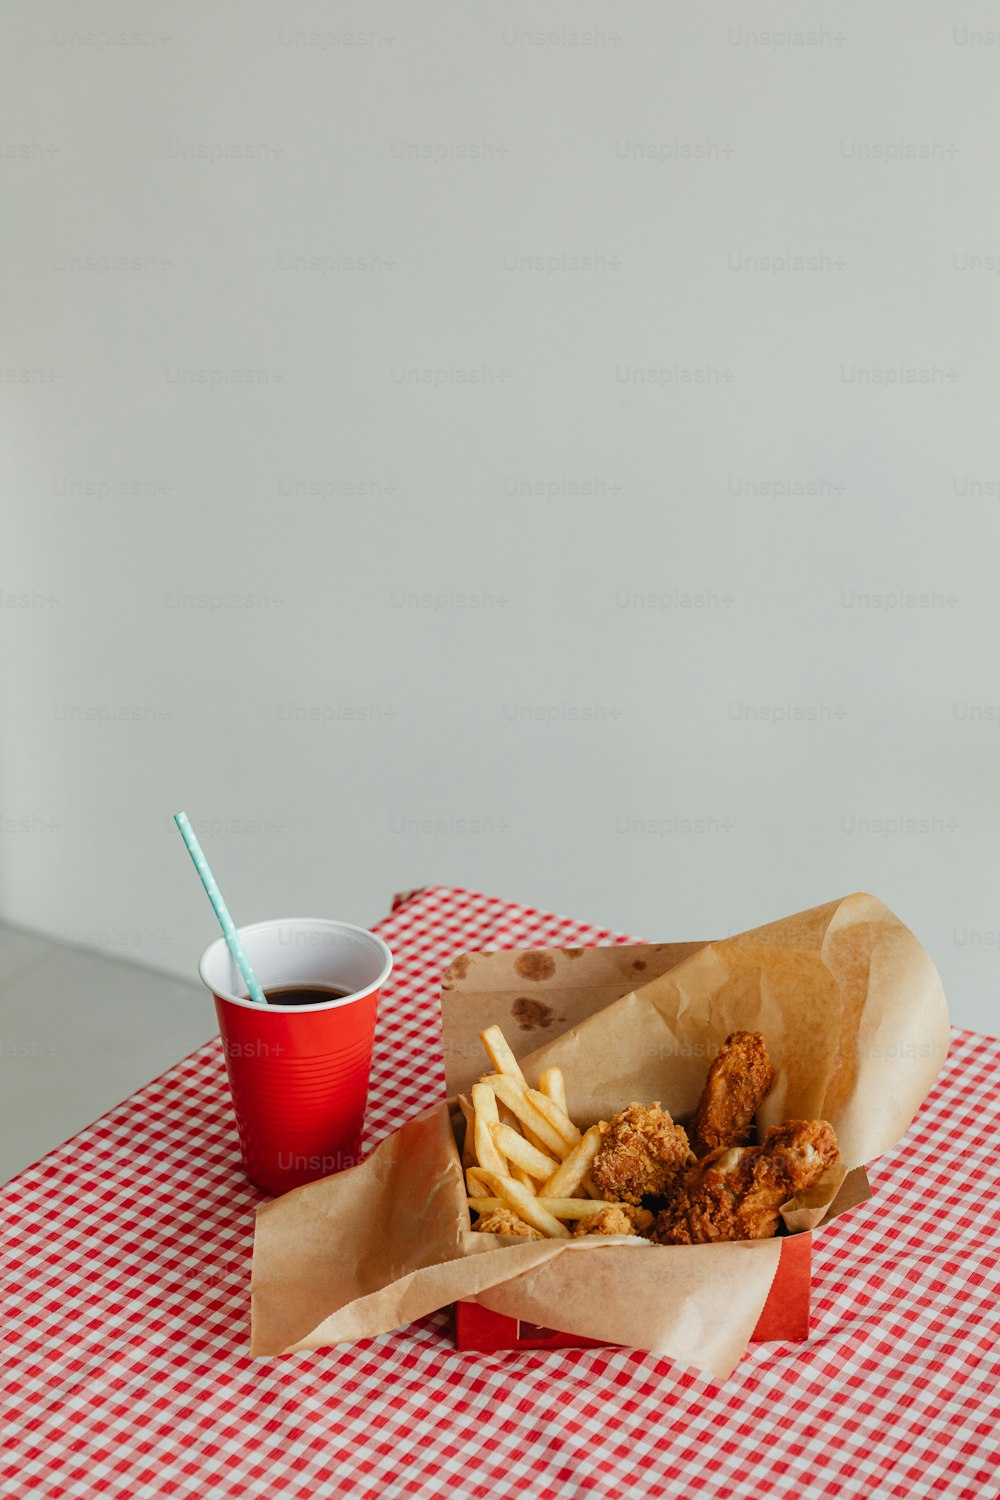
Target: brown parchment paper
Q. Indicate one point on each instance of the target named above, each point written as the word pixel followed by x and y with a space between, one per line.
pixel 855 1020
pixel 536 995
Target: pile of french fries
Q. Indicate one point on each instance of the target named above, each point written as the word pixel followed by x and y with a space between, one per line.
pixel 522 1150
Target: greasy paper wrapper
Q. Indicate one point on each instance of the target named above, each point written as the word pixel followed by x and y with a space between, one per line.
pixel 856 1024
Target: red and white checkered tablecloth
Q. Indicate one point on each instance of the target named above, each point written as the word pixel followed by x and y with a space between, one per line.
pixel 125 1276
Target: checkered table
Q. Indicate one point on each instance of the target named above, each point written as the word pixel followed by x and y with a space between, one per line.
pixel 125 1274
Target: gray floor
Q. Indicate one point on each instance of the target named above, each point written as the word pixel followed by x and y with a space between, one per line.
pixel 78 1033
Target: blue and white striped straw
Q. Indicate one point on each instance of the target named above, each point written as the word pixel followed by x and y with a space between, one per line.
pixel 221 910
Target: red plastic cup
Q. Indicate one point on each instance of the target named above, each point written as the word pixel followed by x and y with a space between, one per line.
pixel 299 1073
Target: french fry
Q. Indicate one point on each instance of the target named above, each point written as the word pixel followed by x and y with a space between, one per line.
pixel 574 1208
pixel 484 1205
pixel 521 1153
pixel 499 1052
pixel 518 1173
pixel 475 1180
pixel 489 1157
pixel 500 1055
pixel 546 1164
pixel 526 1207
pixel 559 1208
pixel 551 1082
pixel 515 1096
pixel 557 1118
pixel 484 1102
pixel 570 1173
pixel 529 1135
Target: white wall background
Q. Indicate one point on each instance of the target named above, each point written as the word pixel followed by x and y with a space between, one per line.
pixel 516 627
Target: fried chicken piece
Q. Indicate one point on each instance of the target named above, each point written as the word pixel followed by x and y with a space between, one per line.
pixel 738 1080
pixel 641 1155
pixel 736 1194
pixel 617 1218
pixel 503 1221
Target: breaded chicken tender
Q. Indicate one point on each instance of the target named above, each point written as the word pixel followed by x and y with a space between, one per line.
pixel 738 1081
pixel 735 1194
pixel 619 1218
pixel 641 1155
pixel 503 1221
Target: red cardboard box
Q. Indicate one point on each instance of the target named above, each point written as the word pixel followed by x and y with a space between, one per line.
pixel 784 1316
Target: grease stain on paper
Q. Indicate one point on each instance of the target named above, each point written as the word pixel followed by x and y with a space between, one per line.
pixel 532 1015
pixel 534 965
pixel 457 969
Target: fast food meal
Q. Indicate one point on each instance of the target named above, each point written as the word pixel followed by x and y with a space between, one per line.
pixel 531 1173
pixel 740 1077
pixel 642 1154
pixel 736 1193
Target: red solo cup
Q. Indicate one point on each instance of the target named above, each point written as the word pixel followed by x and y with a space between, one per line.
pixel 299 1073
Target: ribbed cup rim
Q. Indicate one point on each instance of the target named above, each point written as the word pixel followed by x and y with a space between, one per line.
pixel 296 1010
